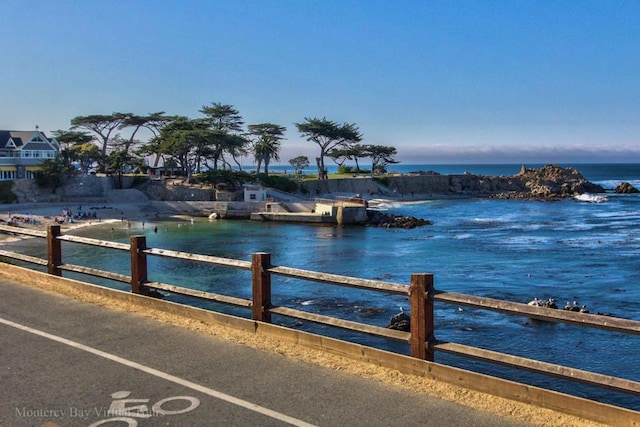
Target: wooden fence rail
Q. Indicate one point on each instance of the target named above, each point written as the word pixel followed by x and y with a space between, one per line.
pixel 421 293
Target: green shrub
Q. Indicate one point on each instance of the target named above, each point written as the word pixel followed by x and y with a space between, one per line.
pixel 6 195
pixel 384 180
pixel 139 180
pixel 224 176
pixel 344 169
pixel 278 182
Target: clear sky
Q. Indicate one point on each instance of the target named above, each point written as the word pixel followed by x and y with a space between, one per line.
pixel 442 81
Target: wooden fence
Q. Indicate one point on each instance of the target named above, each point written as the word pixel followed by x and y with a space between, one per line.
pixel 421 293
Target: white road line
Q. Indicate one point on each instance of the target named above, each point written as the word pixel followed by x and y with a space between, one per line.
pixel 197 387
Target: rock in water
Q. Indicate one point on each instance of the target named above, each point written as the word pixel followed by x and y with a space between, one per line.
pixel 383 219
pixel 400 322
pixel 626 188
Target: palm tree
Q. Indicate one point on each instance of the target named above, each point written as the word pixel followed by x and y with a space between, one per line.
pixel 266 146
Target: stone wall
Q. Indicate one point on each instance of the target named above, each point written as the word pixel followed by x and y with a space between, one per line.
pixel 228 210
pixel 86 186
pixel 78 188
pixel 169 192
pixel 407 184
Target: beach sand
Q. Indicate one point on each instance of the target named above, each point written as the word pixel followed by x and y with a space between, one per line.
pixel 44 214
pixel 40 215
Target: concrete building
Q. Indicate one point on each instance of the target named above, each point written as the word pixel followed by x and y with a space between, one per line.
pixel 254 193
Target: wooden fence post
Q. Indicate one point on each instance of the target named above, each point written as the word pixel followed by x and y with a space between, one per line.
pixel 138 264
pixel 54 250
pixel 261 286
pixel 421 299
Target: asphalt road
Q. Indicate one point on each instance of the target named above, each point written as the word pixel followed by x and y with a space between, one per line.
pixel 69 363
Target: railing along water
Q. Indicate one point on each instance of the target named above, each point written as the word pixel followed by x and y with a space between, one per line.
pixel 421 293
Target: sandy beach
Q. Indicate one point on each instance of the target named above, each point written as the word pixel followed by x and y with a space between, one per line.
pixel 40 215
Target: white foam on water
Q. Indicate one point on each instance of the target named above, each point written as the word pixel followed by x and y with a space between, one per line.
pixel 591 198
pixel 463 236
pixel 383 204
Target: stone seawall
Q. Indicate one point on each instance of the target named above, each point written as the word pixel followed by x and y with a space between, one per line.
pixel 421 184
pixel 81 188
pixel 223 210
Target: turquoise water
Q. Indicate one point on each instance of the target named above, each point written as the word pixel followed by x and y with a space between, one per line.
pixel 508 249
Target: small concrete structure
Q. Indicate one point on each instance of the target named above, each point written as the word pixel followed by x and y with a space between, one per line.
pixel 349 211
pixel 254 193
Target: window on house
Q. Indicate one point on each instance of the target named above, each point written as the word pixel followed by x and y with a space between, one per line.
pixel 252 196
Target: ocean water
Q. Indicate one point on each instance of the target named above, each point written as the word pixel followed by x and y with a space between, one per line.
pixel 571 250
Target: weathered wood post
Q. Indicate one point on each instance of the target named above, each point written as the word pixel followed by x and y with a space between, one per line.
pixel 138 264
pixel 261 286
pixel 54 250
pixel 421 299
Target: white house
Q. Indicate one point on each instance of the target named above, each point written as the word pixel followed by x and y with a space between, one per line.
pixel 254 193
pixel 21 153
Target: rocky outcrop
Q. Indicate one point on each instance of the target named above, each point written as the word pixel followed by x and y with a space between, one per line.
pixel 626 188
pixel 550 182
pixel 400 322
pixel 384 219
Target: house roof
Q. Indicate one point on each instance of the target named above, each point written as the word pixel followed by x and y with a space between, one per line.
pixel 35 140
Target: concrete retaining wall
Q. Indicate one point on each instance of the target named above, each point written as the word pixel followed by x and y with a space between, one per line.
pixel 89 188
pixel 438 184
pixel 228 210
pixel 416 184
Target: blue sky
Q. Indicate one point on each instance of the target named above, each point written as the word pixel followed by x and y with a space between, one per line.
pixel 442 81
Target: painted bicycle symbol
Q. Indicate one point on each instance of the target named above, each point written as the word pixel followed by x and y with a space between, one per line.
pixel 128 411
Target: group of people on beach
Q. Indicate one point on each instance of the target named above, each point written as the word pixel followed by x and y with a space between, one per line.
pixel 20 219
pixel 68 216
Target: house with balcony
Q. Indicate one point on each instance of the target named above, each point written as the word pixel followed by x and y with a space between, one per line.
pixel 21 153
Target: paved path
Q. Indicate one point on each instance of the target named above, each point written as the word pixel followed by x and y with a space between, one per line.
pixel 69 363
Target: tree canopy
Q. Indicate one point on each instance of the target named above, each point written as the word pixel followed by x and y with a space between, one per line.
pixel 381 156
pixel 185 141
pixel 328 135
pixel 298 163
pixel 352 152
pixel 228 124
pixel 103 125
